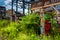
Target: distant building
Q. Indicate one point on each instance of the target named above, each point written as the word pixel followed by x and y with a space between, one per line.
pixel 18 14
pixel 15 16
pixel 9 13
pixel 2 12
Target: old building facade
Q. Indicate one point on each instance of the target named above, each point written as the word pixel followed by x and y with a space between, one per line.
pixel 2 12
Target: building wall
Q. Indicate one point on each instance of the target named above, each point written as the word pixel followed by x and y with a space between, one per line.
pixel 2 11
pixel 9 13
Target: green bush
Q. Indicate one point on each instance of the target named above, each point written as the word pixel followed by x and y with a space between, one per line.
pixel 25 29
pixel 47 16
pixel 9 32
pixel 17 30
pixel 30 22
pixel 4 23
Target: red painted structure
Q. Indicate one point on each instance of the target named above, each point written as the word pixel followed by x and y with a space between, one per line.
pixel 47 27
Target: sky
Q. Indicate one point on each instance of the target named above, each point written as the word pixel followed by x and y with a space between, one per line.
pixel 2 2
pixel 7 2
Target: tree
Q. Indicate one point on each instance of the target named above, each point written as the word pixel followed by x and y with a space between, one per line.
pixel 21 4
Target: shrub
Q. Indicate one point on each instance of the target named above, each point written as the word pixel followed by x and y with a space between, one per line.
pixel 30 23
pixel 24 30
pixel 3 23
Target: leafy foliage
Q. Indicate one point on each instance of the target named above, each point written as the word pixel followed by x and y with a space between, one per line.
pixel 3 23
pixel 47 16
pixel 30 21
pixel 25 27
pixel 53 21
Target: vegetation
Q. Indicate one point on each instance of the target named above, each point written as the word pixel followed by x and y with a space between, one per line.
pixel 25 29
pixel 53 21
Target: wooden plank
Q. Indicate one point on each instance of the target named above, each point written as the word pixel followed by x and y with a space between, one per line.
pixel 45 6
